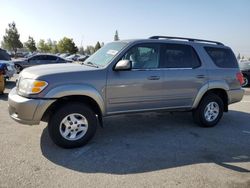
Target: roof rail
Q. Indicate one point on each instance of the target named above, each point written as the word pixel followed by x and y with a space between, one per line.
pixel 188 39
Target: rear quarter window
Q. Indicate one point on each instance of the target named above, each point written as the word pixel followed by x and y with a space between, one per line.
pixel 222 57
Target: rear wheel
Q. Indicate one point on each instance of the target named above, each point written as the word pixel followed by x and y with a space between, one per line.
pixel 209 111
pixel 72 125
pixel 246 81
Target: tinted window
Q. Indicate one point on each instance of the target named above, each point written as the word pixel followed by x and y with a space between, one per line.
pixel 222 57
pixel 37 57
pixel 51 58
pixel 143 56
pixel 178 56
pixel 4 55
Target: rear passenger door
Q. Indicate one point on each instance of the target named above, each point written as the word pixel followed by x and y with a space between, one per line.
pixel 184 74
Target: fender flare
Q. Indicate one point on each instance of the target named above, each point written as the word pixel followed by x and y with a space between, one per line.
pixel 215 84
pixel 77 89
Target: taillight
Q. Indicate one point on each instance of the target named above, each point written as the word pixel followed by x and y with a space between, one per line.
pixel 240 78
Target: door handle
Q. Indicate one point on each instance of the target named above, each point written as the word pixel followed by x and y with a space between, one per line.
pixel 200 76
pixel 154 78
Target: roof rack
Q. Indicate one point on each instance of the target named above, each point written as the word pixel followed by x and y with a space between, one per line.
pixel 188 39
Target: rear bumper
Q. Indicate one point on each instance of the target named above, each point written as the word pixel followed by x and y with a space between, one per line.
pixel 235 95
pixel 26 111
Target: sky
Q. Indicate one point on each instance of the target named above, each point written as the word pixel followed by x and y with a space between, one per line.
pixel 89 21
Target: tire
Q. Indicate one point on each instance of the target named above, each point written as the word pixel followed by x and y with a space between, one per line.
pixel 18 68
pixel 246 81
pixel 199 114
pixel 62 125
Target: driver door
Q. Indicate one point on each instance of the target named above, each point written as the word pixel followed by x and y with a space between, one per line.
pixel 140 88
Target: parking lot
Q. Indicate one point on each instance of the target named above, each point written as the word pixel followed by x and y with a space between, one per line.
pixel 139 150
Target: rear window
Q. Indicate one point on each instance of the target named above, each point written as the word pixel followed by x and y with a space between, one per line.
pixel 222 57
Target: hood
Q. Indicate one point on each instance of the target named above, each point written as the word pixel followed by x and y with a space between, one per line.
pixel 59 68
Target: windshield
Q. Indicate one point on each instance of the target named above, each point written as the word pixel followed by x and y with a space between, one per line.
pixel 104 55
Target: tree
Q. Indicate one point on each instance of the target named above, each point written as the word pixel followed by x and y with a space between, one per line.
pixel 30 44
pixel 67 45
pixel 238 57
pixel 97 46
pixel 81 50
pixel 54 48
pixel 89 50
pixel 11 39
pixel 102 44
pixel 43 47
pixel 116 37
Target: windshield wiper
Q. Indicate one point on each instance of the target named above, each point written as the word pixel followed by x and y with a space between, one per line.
pixel 90 64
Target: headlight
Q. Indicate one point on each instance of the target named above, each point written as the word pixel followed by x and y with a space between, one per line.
pixel 30 86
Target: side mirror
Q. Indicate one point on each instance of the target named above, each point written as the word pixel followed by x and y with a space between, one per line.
pixel 123 65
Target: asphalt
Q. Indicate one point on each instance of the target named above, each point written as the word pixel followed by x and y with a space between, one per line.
pixel 137 150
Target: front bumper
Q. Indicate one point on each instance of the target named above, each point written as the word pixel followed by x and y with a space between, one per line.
pixel 25 110
pixel 235 95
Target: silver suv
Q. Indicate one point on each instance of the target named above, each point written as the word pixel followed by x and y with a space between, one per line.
pixel 159 73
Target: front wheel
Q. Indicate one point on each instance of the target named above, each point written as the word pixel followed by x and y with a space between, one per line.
pixel 209 111
pixel 72 125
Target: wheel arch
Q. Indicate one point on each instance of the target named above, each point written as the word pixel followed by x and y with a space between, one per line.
pixel 218 88
pixel 73 98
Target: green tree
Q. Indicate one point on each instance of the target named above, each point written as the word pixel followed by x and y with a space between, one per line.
pixel 54 48
pixel 43 46
pixel 11 39
pixel 30 44
pixel 116 37
pixel 97 46
pixel 67 45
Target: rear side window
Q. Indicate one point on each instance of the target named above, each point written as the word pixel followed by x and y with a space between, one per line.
pixel 222 57
pixel 179 56
pixel 51 58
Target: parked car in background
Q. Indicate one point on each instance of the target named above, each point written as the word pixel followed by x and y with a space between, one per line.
pixel 39 59
pixel 245 69
pixel 2 82
pixel 6 59
pixel 4 55
pixel 82 58
pixel 159 73
pixel 64 55
pixel 10 71
pixel 73 57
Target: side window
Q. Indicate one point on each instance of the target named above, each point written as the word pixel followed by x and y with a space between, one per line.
pixel 34 58
pixel 222 57
pixel 143 56
pixel 179 56
pixel 51 58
